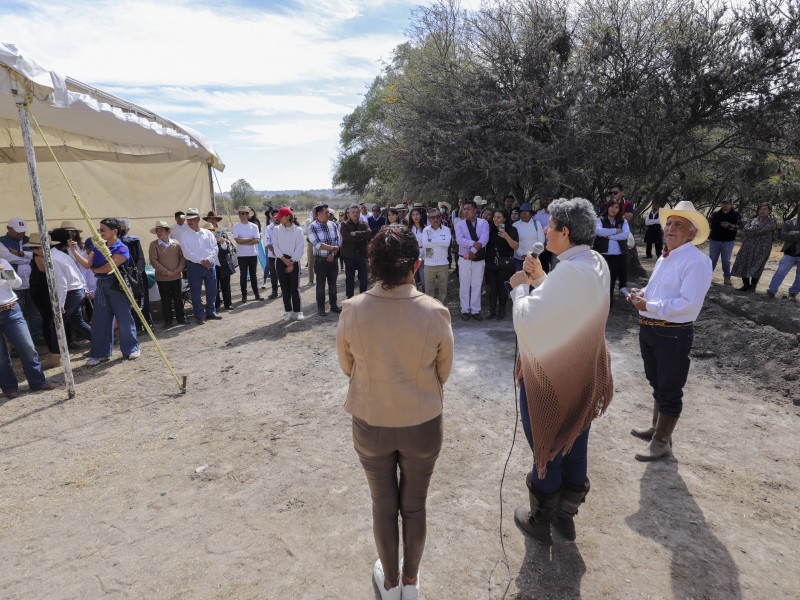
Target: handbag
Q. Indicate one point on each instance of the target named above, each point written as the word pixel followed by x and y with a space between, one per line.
pixel 480 254
pixel 130 275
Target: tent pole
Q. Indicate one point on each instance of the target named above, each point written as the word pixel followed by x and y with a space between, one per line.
pixel 211 188
pixel 33 173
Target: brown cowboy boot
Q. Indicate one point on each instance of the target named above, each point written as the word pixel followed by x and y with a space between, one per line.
pixel 571 499
pixel 536 521
pixel 661 444
pixel 646 433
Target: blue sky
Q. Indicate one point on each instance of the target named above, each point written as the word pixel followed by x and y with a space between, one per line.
pixel 267 82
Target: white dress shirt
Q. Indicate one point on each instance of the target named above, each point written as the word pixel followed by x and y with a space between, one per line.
pixel 266 239
pixel 288 240
pixel 199 245
pixel 436 245
pixel 176 231
pixel 23 264
pixel 246 231
pixel 678 285
pixel 68 276
pixel 7 286
pixel 529 233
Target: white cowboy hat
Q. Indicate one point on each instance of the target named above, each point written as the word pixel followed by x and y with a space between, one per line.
pixel 479 201
pixel 162 225
pixel 246 208
pixel 686 209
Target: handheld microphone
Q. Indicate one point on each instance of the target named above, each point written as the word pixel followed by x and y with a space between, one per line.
pixel 537 249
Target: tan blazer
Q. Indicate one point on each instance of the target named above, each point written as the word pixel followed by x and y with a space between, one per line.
pixel 397 348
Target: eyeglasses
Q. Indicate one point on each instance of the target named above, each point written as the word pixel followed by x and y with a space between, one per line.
pixel 437 217
pixel 245 213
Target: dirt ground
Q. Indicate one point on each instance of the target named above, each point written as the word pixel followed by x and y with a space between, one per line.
pixel 248 486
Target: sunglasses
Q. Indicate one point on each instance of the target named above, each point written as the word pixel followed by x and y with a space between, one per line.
pixel 435 217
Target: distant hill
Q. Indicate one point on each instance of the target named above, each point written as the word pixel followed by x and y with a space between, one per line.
pixel 330 193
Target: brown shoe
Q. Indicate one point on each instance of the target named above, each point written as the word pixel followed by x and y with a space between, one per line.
pixel 568 504
pixel 46 387
pixel 646 433
pixel 54 360
pixel 10 394
pixel 661 444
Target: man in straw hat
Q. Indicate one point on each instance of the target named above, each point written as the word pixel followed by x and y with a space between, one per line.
pixel 200 250
pixel 668 306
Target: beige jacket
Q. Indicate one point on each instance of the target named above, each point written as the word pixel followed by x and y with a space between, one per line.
pixel 397 348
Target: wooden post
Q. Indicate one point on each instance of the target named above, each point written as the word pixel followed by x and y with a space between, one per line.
pixel 33 173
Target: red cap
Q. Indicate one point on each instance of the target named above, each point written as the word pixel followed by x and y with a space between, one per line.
pixel 285 211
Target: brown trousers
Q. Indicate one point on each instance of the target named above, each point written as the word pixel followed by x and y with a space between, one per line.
pixel 415 450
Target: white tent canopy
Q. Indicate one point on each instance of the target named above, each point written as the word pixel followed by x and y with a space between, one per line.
pixel 122 160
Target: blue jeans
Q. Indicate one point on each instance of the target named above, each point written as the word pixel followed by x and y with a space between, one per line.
pixel 31 313
pixel 570 468
pixel 715 249
pixel 14 327
pixel 665 353
pixel 784 266
pixel 109 305
pixel 198 275
pixel 351 265
pixel 73 314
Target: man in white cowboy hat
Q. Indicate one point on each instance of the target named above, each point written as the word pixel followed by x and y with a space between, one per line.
pixel 200 250
pixel 668 306
pixel 246 235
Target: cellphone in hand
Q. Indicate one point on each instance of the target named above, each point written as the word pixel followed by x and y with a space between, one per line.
pixel 502 227
pixel 7 274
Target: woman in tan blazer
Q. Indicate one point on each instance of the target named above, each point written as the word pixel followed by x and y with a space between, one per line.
pixel 395 397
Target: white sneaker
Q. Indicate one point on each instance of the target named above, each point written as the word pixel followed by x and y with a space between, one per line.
pixel 287 316
pixel 379 577
pixel 134 355
pixel 408 592
pixel 298 316
pixel 92 362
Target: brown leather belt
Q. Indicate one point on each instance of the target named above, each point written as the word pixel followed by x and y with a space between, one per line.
pixel 9 306
pixel 656 323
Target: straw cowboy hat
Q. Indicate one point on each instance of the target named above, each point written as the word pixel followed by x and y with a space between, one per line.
pixel 686 209
pixel 161 224
pixel 212 216
pixel 400 206
pixel 35 240
pixel 209 226
pixel 479 201
pixel 192 213
pixel 69 226
pixel 249 210
pixel 446 206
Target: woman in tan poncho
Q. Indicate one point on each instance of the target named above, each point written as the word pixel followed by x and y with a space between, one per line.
pixel 564 366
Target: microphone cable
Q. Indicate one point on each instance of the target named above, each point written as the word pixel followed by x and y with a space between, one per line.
pixel 504 560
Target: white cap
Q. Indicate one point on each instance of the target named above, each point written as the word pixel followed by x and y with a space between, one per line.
pixel 18 224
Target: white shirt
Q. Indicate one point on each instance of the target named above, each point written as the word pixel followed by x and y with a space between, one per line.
pixel 420 238
pixel 288 240
pixel 678 285
pixel 246 231
pixel 436 245
pixel 266 239
pixel 176 231
pixel 614 238
pixel 7 286
pixel 363 218
pixel 529 233
pixel 68 276
pixel 198 246
pixel 23 264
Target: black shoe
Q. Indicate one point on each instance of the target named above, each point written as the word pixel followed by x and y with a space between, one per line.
pixel 244 299
pixel 229 307
pixel 259 298
pixel 213 318
pixel 199 321
pixel 336 309
pixel 321 312
pixel 272 296
pixel 465 316
pixel 477 317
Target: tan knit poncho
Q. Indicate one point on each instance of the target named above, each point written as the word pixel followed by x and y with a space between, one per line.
pixel 563 358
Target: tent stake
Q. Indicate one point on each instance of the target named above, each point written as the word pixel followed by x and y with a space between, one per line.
pixel 33 173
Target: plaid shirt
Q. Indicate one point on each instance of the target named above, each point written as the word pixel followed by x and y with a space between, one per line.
pixel 323 234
